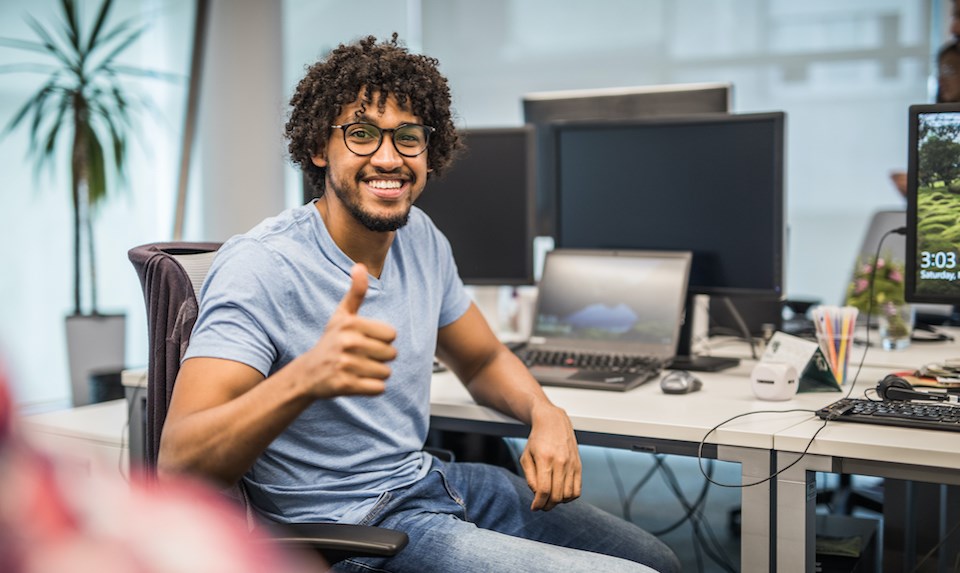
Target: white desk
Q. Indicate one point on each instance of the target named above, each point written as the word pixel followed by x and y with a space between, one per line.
pixel 915 356
pixel 91 437
pixel 851 448
pixel 645 419
pixel 863 449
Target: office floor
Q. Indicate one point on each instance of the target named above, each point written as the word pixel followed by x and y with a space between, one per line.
pixel 611 475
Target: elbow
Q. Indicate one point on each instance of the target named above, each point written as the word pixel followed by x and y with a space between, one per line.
pixel 176 463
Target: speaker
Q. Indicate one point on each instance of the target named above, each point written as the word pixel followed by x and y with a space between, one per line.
pixel 774 381
pixel 893 387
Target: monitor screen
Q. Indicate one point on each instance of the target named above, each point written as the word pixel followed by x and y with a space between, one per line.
pixel 710 184
pixel 484 202
pixel 543 108
pixel 933 202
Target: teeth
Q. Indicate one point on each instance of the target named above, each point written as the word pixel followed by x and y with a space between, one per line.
pixel 385 184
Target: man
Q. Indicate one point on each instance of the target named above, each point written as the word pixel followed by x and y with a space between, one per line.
pixel 308 371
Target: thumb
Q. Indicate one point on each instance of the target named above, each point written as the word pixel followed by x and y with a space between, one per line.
pixel 358 289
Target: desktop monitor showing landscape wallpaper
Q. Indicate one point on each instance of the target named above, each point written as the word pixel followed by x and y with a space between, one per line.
pixel 933 204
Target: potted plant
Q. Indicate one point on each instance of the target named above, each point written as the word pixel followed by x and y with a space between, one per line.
pixel 84 105
pixel 888 309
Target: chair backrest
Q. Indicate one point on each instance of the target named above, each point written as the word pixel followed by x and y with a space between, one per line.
pixel 171 275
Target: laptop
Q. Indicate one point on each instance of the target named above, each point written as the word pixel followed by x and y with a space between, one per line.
pixel 606 319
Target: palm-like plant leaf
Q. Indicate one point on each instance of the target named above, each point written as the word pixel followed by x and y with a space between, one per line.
pixel 82 103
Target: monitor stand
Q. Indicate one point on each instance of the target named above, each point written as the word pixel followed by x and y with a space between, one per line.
pixel 685 359
pixel 703 363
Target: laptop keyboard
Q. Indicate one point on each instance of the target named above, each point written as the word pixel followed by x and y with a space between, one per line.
pixel 598 362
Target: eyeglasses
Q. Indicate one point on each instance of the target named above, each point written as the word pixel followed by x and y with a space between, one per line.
pixel 409 139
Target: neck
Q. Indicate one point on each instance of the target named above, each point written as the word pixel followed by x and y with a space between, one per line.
pixel 356 241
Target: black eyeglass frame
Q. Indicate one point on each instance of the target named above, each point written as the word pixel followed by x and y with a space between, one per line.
pixel 427 130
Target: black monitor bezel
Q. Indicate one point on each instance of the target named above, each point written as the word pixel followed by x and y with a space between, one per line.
pixel 910 258
pixel 530 184
pixel 778 287
pixel 616 103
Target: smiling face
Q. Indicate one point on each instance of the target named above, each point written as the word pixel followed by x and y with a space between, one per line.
pixel 378 189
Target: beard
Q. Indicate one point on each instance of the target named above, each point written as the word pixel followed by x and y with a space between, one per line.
pixel 373 222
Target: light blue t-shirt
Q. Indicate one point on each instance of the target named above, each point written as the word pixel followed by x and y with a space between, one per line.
pixel 267 299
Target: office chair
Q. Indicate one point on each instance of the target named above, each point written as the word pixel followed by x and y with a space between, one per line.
pixel 171 275
pixel 895 246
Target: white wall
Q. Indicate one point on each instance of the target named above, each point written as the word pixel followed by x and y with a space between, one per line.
pixel 241 118
pixel 844 72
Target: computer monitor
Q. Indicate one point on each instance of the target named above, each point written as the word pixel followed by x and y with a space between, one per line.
pixel 710 184
pixel 543 108
pixel 933 202
pixel 484 204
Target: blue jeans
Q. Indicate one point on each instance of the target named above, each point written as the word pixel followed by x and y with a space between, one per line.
pixel 476 518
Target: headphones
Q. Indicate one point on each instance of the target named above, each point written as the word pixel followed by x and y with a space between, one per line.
pixel 893 387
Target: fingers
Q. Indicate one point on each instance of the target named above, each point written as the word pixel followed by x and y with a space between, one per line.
pixel 353 355
pixel 551 483
pixel 350 305
pixel 358 289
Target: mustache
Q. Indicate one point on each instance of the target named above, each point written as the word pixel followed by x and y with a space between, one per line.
pixel 392 173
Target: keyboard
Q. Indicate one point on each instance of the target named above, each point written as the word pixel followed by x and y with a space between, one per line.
pixel 601 371
pixel 894 413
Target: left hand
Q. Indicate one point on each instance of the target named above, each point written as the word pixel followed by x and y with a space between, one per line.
pixel 551 460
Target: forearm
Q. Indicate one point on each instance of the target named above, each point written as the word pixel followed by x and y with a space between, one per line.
pixel 504 384
pixel 221 443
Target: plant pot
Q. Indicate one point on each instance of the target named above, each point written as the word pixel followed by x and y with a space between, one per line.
pixel 95 343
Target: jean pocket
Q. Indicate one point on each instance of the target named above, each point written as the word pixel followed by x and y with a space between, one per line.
pixel 379 508
pixel 452 491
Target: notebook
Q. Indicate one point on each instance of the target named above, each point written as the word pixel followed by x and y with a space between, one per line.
pixel 597 308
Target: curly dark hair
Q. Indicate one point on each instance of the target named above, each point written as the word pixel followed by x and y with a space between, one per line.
pixel 380 70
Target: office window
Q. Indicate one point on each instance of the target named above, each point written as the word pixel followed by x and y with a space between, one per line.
pixel 844 73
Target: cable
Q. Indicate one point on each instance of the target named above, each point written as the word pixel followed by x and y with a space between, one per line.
pixel 873 278
pixel 627 499
pixel 710 544
pixel 738 318
pixel 704 539
pixel 774 474
pixel 692 508
pixel 853 383
pixel 935 547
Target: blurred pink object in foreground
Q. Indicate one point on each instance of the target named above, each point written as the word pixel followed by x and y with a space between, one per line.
pixel 55 516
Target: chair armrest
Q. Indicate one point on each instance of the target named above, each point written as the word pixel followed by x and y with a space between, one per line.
pixel 340 539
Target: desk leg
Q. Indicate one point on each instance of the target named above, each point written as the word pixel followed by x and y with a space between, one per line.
pixel 756 502
pixel 796 511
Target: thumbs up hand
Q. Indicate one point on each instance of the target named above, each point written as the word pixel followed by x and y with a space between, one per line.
pixel 351 357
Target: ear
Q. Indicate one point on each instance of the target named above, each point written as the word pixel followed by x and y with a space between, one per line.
pixel 320 159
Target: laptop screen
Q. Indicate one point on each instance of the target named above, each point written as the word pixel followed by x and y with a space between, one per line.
pixel 619 299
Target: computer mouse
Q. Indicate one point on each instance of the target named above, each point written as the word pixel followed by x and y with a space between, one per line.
pixel 680 382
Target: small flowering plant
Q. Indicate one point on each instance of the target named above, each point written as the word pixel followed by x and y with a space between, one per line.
pixel 888 289
pixel 887 284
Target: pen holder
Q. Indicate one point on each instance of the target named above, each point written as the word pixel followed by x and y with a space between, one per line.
pixel 835 326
